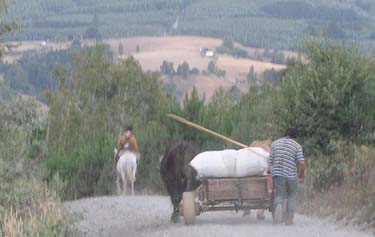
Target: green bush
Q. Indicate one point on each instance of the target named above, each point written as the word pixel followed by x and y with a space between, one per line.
pixel 83 169
pixel 28 207
pixel 329 98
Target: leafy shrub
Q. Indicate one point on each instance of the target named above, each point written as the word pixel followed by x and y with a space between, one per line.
pixel 329 98
pixel 28 207
pixel 83 169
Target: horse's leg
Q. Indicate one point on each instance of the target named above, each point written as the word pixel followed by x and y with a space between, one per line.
pixel 260 214
pixel 132 186
pixel 246 213
pixel 124 182
pixel 118 184
pixel 134 170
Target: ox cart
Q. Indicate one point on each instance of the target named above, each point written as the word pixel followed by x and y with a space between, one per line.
pixel 220 194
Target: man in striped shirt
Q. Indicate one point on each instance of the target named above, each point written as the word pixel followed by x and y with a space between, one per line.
pixel 286 154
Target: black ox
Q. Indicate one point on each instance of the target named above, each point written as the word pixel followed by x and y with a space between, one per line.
pixel 176 173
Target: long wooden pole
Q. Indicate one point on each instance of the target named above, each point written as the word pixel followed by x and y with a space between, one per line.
pixel 191 124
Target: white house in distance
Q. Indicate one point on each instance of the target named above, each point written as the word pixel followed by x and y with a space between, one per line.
pixel 206 52
pixel 209 53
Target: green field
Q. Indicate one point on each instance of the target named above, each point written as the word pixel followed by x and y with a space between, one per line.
pixel 280 24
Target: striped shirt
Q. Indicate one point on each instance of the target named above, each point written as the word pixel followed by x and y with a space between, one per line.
pixel 284 155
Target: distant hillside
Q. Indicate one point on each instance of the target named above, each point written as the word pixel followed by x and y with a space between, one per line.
pixel 30 68
pixel 280 24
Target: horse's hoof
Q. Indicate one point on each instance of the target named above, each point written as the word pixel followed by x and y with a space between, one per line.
pixel 246 213
pixel 175 218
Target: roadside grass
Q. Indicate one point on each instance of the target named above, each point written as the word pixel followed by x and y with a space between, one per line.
pixel 352 199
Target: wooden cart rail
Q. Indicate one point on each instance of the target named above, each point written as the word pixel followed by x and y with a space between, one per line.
pixel 240 189
pixel 227 194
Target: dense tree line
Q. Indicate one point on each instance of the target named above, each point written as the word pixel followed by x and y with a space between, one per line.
pixel 33 73
pixel 238 20
pixel 212 68
pixel 346 17
pixel 183 69
pixel 228 48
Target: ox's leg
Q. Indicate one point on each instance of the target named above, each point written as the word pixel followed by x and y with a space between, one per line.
pixel 175 215
pixel 191 176
pixel 175 190
pixel 176 200
pixel 171 185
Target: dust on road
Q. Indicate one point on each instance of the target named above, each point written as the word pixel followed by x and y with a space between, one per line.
pixel 114 216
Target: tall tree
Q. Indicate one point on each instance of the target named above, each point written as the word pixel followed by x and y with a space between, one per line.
pixel 329 98
pixel 120 49
pixel 5 27
pixel 251 76
pixel 183 69
pixel 167 68
pixel 93 31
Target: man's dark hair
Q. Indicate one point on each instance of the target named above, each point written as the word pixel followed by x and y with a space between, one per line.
pixel 292 133
pixel 129 128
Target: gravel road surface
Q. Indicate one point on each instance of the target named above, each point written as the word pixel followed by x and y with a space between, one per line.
pixel 114 216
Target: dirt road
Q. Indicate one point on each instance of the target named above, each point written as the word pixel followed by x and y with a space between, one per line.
pixel 149 216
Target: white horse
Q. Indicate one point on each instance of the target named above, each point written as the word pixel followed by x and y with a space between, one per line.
pixel 126 169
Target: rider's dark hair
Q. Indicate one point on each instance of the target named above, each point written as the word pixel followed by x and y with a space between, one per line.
pixel 129 128
pixel 292 133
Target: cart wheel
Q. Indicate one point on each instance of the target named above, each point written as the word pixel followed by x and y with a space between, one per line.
pixel 188 205
pixel 261 215
pixel 278 214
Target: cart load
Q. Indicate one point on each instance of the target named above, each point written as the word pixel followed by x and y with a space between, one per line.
pixel 231 163
pixel 229 180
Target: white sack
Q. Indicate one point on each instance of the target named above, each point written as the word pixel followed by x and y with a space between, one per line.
pixel 230 163
pixel 250 163
pixel 215 163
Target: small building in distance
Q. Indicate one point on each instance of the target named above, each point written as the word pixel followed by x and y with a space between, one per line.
pixel 206 52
